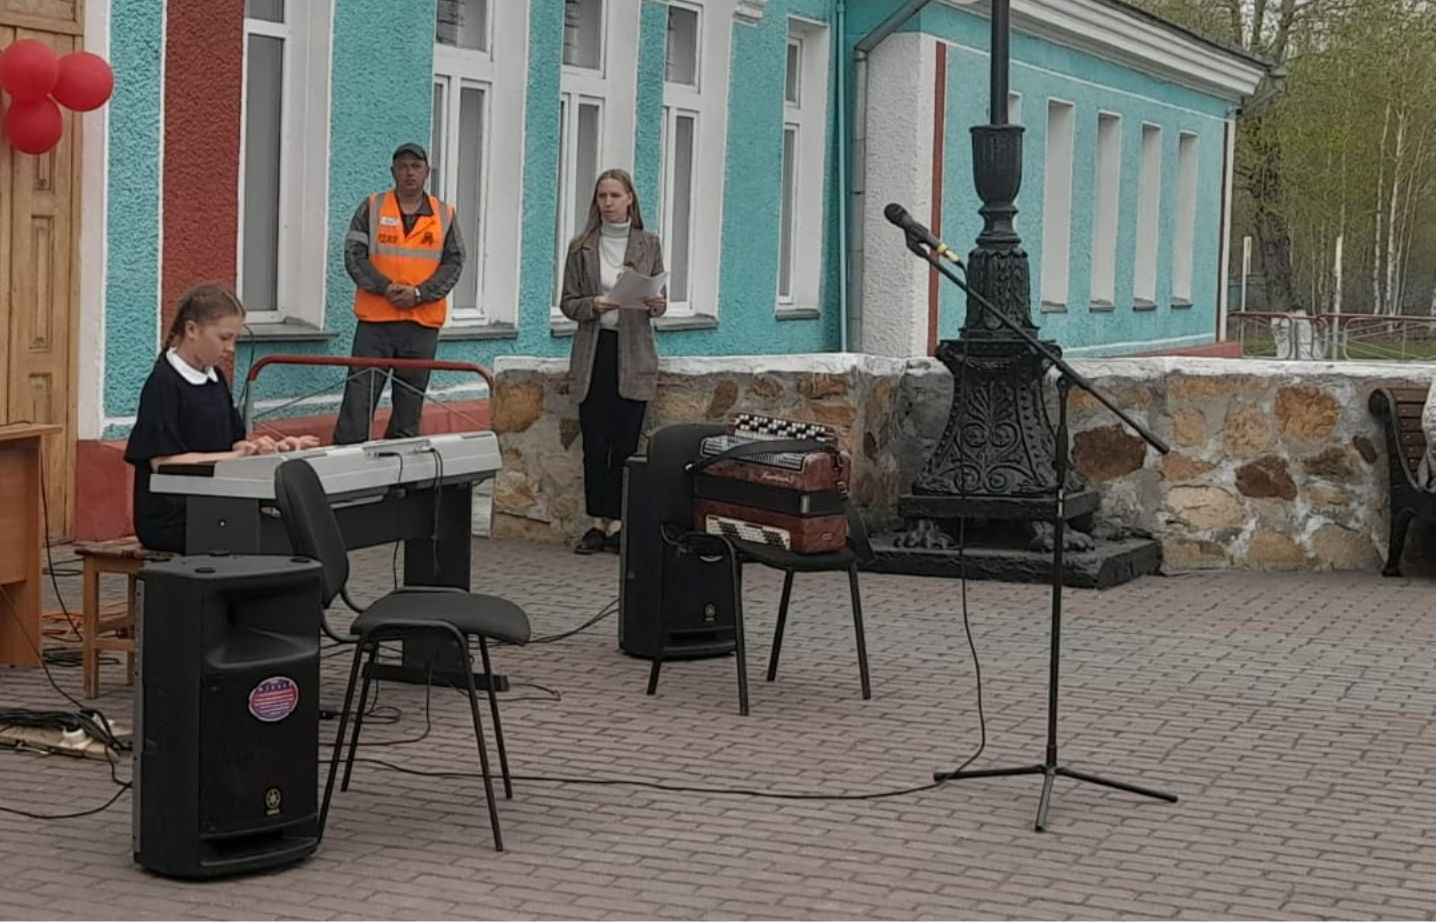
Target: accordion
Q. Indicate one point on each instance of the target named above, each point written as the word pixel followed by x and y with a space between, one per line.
pixel 773 481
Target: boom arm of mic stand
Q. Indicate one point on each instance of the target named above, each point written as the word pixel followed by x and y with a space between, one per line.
pixel 1057 361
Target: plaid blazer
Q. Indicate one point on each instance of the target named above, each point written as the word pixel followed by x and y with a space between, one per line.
pixel 637 357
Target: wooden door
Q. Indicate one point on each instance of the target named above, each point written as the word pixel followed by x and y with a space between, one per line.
pixel 39 267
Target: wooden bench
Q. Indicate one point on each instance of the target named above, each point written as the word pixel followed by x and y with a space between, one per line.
pixel 112 628
pixel 1399 409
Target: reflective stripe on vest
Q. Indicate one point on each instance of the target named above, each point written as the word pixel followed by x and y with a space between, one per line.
pixel 407 263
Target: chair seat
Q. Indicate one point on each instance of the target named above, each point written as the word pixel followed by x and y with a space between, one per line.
pixel 118 549
pixel 472 613
pixel 784 559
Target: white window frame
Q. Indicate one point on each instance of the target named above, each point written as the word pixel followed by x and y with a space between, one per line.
pixel 707 102
pixel 501 72
pixel 806 119
pixel 304 161
pixel 1057 204
pixel 614 87
pixel 1106 210
pixel 1185 233
pixel 1149 217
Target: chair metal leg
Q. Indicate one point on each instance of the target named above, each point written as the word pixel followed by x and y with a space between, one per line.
pixel 739 646
pixel 660 648
pixel 339 739
pixel 498 727
pixel 782 623
pixel 90 627
pixel 858 630
pixel 463 646
pixel 359 715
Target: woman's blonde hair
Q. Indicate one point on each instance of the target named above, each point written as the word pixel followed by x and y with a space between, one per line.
pixel 595 219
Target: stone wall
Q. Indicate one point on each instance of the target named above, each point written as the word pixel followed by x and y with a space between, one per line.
pixel 1273 465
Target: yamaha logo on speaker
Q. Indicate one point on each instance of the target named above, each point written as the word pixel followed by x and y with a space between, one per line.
pixel 274 699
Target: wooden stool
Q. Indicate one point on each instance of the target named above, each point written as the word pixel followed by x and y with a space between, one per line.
pixel 111 628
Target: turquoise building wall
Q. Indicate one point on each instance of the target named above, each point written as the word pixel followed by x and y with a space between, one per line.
pixel 1040 70
pixel 132 220
pixel 373 109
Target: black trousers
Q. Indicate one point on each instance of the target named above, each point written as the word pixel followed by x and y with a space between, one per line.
pixel 403 339
pixel 611 426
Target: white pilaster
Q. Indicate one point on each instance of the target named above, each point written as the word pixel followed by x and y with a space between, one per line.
pixel 897 167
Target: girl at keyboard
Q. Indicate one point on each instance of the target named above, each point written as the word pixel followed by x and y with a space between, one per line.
pixel 187 414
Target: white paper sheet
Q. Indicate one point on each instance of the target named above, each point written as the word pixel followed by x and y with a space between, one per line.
pixel 633 288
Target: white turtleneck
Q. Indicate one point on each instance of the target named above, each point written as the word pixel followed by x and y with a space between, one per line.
pixel 612 247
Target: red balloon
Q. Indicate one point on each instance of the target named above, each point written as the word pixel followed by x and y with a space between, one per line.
pixel 28 69
pixel 34 127
pixel 85 81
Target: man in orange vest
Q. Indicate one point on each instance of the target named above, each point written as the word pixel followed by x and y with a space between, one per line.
pixel 405 254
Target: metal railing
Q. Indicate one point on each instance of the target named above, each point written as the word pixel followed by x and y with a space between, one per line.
pixel 357 366
pixel 1343 337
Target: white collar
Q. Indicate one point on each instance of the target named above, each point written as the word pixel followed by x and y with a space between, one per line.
pixel 189 372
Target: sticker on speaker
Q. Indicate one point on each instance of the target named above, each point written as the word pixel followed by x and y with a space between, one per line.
pixel 274 699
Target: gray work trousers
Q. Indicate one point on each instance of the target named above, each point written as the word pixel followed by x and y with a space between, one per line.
pixel 403 339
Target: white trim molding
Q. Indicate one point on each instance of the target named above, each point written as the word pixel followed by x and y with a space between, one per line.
pixel 749 11
pixel 93 257
pixel 1136 41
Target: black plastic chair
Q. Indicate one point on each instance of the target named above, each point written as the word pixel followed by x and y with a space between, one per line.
pixel 410 611
pixel 671 452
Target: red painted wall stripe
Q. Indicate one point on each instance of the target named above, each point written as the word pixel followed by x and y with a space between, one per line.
pixel 204 66
pixel 939 122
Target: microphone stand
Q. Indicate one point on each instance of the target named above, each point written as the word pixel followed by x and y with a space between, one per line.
pixel 1068 376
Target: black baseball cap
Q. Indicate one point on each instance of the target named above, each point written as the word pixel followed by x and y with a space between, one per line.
pixel 413 150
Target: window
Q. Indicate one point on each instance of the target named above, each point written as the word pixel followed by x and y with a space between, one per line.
pixel 804 127
pixel 1149 211
pixel 1106 206
pixel 462 24
pixel 597 89
pixel 682 107
pixel 1186 230
pixel 458 152
pixel 284 150
pixel 580 137
pixel 583 92
pixel 1057 205
pixel 479 75
pixel 583 34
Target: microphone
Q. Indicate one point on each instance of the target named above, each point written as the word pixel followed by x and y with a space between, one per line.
pixel 915 231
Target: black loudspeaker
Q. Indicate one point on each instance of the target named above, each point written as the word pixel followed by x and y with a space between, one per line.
pixel 227 714
pixel 697 592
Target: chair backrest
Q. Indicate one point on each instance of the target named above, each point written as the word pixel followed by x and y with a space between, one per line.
pixel 309 520
pixel 670 451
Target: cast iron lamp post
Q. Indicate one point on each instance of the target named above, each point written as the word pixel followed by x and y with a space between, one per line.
pixel 995 457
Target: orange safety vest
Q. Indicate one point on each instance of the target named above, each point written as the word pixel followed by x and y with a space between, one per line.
pixel 405 259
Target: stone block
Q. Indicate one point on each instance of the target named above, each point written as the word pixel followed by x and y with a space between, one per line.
pixel 1177 466
pixel 1265 478
pixel 516 407
pixel 1305 413
pixel 1108 453
pixel 1246 430
pixel 1270 550
pixel 1189 427
pixel 1205 507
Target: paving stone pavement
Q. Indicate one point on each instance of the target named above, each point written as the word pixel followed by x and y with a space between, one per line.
pixel 1292 713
